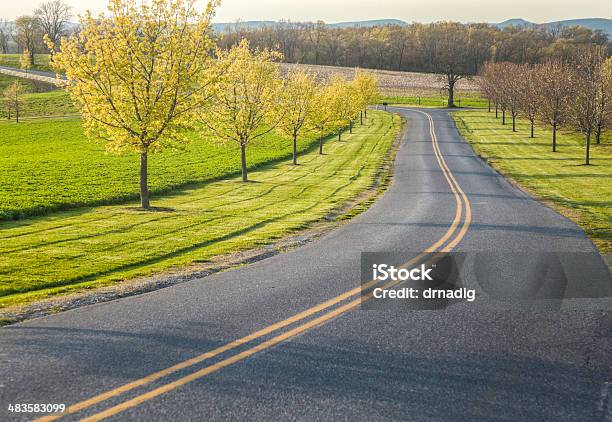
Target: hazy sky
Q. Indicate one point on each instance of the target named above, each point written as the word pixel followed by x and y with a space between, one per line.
pixel 345 10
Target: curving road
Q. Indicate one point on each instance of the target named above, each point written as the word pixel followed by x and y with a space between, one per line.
pixel 36 75
pixel 286 338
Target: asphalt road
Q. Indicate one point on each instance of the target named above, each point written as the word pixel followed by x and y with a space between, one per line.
pixel 485 359
pixel 39 75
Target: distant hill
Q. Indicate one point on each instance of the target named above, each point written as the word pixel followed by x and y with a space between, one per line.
pixel 226 26
pixel 602 24
pixel 368 24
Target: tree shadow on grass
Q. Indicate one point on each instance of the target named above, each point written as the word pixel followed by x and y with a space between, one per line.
pixel 150 209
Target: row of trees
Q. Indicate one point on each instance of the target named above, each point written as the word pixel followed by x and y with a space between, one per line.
pixel 51 17
pixel 576 94
pixel 415 47
pixel 147 74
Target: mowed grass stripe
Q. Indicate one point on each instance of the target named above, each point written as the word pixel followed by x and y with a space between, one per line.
pixel 582 193
pixel 95 246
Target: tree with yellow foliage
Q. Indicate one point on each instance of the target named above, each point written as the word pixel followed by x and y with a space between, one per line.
pixel 13 99
pixel 296 103
pixel 366 86
pixel 25 62
pixel 321 118
pixel 342 104
pixel 242 108
pixel 140 74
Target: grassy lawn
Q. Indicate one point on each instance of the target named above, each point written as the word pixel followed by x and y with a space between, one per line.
pixel 582 193
pixel 437 101
pixel 41 61
pixel 43 104
pixel 49 165
pixel 76 249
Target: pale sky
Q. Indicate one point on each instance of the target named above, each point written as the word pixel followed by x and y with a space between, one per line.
pixel 348 10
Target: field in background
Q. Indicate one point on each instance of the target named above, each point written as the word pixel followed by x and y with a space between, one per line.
pixel 95 246
pixel 582 193
pixel 41 61
pixel 406 88
pixel 391 83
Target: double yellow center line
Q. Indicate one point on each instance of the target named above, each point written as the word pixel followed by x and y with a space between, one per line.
pixel 451 235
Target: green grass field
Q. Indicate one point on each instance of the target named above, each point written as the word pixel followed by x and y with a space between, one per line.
pixel 582 193
pixel 49 165
pixel 41 61
pixel 471 100
pixel 42 256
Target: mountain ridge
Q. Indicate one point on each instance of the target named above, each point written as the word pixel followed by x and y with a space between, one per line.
pixel 601 24
pixel 225 26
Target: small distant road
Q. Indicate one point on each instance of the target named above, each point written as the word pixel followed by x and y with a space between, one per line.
pixel 286 339
pixel 35 75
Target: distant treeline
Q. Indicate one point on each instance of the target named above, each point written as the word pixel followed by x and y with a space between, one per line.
pixel 416 47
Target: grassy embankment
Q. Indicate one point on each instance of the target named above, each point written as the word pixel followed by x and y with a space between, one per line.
pixel 582 193
pixel 40 99
pixel 87 247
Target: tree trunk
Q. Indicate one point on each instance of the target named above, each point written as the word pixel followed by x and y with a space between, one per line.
pixel 451 95
pixel 503 117
pixel 365 113
pixel 588 148
pixel 496 111
pixel 245 177
pixel 144 184
pixel 294 148
pixel 489 105
pixel 340 134
pixel 598 133
pixel 350 126
pixel 320 143
pixel 555 137
pixel 361 118
pixel 513 122
pixel 531 129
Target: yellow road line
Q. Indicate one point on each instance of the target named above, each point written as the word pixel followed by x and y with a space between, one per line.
pixel 274 327
pixel 468 208
pixel 233 359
